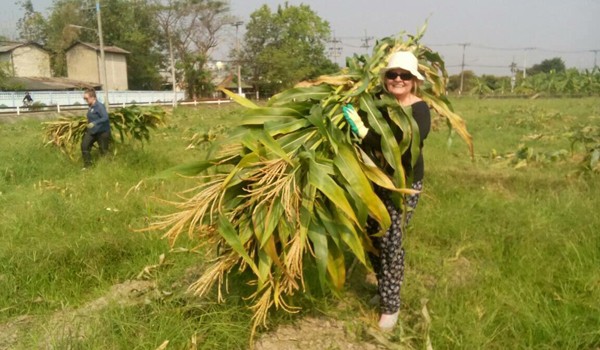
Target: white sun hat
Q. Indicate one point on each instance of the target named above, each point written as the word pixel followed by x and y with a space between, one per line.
pixel 404 60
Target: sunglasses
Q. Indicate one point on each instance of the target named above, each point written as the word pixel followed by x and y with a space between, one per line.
pixel 393 75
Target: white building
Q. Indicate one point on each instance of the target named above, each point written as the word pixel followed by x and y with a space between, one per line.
pixel 84 63
pixel 25 59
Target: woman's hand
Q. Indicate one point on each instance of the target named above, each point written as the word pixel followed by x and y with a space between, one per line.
pixel 356 124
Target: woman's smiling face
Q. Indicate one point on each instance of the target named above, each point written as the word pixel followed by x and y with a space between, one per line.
pixel 399 82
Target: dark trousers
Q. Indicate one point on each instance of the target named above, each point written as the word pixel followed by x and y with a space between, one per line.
pixel 389 264
pixel 103 139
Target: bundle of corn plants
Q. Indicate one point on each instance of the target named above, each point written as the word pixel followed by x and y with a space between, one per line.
pixel 291 186
pixel 128 122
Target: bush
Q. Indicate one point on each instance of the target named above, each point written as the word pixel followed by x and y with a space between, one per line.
pixel 37 106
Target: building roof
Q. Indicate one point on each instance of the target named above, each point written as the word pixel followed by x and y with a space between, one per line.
pixel 113 49
pixel 50 84
pixel 8 46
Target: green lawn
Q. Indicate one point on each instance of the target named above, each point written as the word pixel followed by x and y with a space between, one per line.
pixel 503 257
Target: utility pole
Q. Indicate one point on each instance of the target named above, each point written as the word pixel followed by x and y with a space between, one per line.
pixel 513 75
pixel 595 57
pixel 237 52
pixel 102 57
pixel 173 78
pixel 462 68
pixel 366 41
pixel 525 61
pixel 335 51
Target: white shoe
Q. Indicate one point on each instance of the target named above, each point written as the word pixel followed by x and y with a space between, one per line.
pixel 387 322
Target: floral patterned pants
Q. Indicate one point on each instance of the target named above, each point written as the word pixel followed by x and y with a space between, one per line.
pixel 389 264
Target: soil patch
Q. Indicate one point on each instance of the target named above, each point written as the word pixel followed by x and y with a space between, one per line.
pixel 314 333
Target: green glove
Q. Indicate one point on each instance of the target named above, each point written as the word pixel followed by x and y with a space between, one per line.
pixel 90 125
pixel 356 124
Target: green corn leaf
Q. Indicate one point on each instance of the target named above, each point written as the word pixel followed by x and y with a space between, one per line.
pixel 265 221
pixel 318 238
pixel 242 101
pixel 271 249
pixel 389 145
pixel 278 127
pixel 309 194
pixel 318 177
pixel 317 92
pixel 316 118
pixel 261 115
pixel 228 232
pixel 347 163
pixel 347 232
pixel 336 266
pixel 294 141
pixel 264 267
pixel 274 147
pixel 362 86
pixel 415 147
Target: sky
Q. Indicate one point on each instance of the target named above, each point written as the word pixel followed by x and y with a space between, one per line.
pixel 496 33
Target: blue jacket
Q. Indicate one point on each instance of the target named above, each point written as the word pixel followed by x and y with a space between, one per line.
pixel 97 114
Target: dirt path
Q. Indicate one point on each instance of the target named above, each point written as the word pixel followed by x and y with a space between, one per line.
pixel 315 333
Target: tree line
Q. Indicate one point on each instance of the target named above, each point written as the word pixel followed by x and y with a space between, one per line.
pixel 280 47
pixel 550 76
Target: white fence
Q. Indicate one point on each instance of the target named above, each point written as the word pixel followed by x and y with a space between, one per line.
pixel 13 99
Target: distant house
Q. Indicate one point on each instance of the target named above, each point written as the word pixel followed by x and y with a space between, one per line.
pixel 83 63
pixel 25 59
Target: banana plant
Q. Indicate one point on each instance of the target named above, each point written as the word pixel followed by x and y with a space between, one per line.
pixel 292 186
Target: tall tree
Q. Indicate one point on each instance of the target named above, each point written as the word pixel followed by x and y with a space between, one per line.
pixel 132 26
pixel 192 29
pixel 554 64
pixel 32 26
pixel 284 47
pixel 60 35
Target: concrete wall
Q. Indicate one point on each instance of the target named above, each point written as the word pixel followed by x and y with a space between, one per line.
pixel 28 61
pixel 12 99
pixel 83 63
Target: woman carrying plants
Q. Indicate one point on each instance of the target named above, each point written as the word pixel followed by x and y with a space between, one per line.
pixel 400 79
pixel 297 188
pixel 98 128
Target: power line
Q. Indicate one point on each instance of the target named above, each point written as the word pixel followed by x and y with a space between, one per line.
pixel 595 56
pixel 366 40
pixel 353 46
pixel 335 51
pixel 485 47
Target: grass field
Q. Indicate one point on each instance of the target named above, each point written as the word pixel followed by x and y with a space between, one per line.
pixel 499 256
